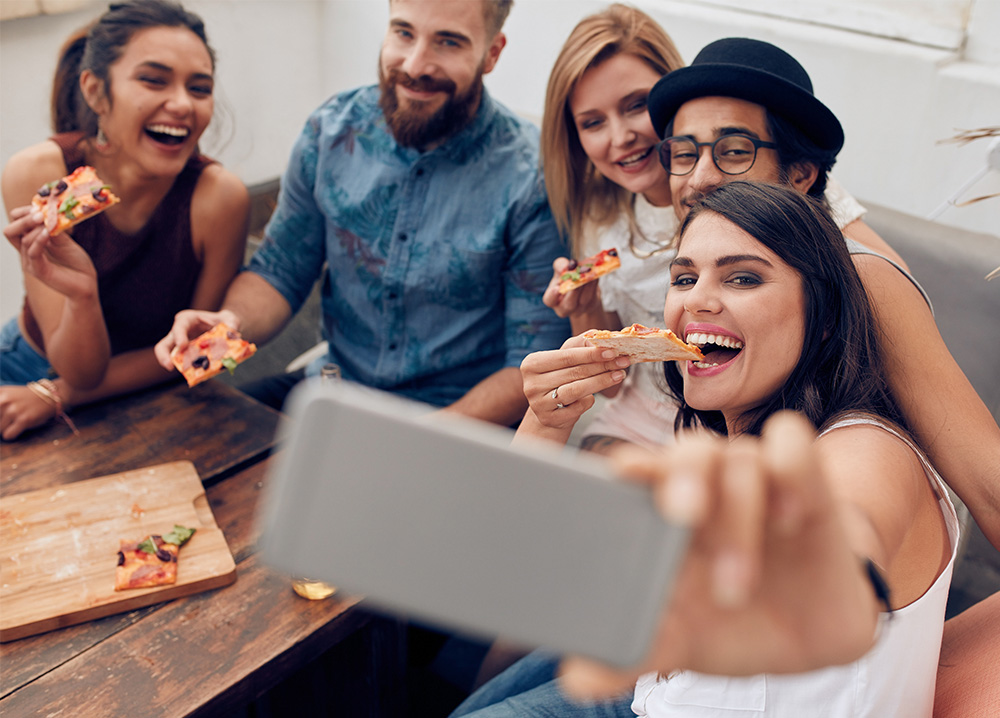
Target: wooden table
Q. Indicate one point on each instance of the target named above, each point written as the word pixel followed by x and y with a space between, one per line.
pixel 207 654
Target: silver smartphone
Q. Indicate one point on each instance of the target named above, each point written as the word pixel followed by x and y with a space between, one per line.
pixel 438 517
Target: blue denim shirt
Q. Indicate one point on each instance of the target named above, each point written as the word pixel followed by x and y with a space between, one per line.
pixel 433 263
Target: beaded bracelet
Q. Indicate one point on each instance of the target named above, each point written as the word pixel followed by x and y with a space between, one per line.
pixel 47 390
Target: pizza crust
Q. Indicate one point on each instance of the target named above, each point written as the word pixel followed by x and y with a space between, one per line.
pixel 644 344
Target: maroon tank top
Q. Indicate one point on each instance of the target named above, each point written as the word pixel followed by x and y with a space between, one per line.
pixel 143 278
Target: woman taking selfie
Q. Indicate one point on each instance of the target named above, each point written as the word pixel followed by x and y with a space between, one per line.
pixel 801 524
pixel 133 94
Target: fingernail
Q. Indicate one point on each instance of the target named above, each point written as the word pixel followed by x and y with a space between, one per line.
pixel 618 375
pixel 682 498
pixel 608 354
pixel 730 579
pixel 623 361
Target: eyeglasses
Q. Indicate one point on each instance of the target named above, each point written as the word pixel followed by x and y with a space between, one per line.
pixel 732 154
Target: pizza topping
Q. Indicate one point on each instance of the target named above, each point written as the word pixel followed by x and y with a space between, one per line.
pixel 179 535
pixel 201 362
pixel 121 559
pixel 230 364
pixel 87 196
pixel 67 206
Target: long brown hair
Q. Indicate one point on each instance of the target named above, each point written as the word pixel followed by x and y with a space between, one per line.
pixel 577 192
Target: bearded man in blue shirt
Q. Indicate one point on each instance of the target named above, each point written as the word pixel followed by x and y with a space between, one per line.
pixel 419 203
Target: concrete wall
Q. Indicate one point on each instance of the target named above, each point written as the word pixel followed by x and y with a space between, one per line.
pixel 278 59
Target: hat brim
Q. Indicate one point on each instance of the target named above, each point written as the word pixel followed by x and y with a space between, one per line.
pixel 777 95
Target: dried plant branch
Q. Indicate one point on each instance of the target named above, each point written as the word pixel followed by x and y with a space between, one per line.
pixel 965 136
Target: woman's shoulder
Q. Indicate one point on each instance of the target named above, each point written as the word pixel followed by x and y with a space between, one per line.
pixel 29 169
pixel 216 183
pixel 871 444
pixel 220 205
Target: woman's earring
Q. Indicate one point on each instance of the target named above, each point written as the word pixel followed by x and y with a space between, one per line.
pixel 101 141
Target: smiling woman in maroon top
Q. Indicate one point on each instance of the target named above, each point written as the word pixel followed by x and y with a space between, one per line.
pixel 133 94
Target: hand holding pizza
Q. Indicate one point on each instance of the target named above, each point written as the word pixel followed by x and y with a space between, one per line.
pixel 189 324
pixel 582 300
pixel 771 582
pixel 560 385
pixel 58 262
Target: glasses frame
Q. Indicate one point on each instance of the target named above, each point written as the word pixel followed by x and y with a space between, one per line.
pixel 665 160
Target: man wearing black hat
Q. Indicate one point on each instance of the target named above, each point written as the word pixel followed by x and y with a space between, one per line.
pixel 745 109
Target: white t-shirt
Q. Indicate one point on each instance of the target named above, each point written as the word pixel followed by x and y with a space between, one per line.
pixel 642 412
pixel 895 678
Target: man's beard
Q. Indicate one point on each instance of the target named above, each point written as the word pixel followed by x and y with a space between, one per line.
pixel 413 128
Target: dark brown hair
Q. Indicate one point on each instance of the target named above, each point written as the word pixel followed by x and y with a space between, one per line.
pixel 99 45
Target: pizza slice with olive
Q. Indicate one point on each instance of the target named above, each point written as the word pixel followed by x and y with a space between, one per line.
pixel 68 201
pixel 150 562
pixel 217 350
pixel 586 270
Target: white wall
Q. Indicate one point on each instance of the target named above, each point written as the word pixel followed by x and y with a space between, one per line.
pixel 279 59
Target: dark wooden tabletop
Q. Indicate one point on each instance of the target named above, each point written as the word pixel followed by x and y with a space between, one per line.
pixel 212 425
pixel 206 654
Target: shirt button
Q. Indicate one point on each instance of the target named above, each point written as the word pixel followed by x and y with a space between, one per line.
pixel 420 173
pixel 402 236
pixel 393 295
pixel 392 347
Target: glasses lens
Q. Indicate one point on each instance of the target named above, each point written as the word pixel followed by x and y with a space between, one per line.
pixel 734 154
pixel 678 155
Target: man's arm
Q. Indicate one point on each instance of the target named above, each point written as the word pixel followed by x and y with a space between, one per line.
pixel 498 398
pixel 944 411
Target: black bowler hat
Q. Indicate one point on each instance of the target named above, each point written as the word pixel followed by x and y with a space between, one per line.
pixel 748 70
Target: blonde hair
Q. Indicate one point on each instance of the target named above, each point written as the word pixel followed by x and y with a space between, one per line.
pixel 577 192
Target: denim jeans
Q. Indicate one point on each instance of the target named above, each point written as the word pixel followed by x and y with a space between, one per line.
pixel 529 689
pixel 19 363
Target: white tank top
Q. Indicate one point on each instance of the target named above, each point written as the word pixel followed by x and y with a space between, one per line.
pixel 895 678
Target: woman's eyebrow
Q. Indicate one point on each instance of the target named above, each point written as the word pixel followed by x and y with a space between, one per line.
pixel 153 65
pixel 722 261
pixel 736 258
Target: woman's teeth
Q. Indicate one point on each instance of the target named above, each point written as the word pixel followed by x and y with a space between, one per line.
pixel 637 157
pixel 168 130
pixel 701 340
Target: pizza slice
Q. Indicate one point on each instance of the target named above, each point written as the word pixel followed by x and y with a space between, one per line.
pixel 150 562
pixel 68 201
pixel 645 344
pixel 218 349
pixel 586 270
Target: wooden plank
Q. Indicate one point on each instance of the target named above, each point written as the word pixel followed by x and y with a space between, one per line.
pixel 57 566
pixel 205 653
pixel 212 425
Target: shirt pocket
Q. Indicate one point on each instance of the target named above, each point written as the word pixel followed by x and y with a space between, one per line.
pixel 467 278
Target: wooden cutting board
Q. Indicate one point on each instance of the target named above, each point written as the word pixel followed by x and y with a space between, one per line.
pixel 59 546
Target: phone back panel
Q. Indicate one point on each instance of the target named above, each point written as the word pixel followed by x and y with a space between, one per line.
pixel 437 517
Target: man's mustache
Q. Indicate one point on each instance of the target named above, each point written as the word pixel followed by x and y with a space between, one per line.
pixel 424 83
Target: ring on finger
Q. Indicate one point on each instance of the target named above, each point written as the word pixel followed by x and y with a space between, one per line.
pixel 560 405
